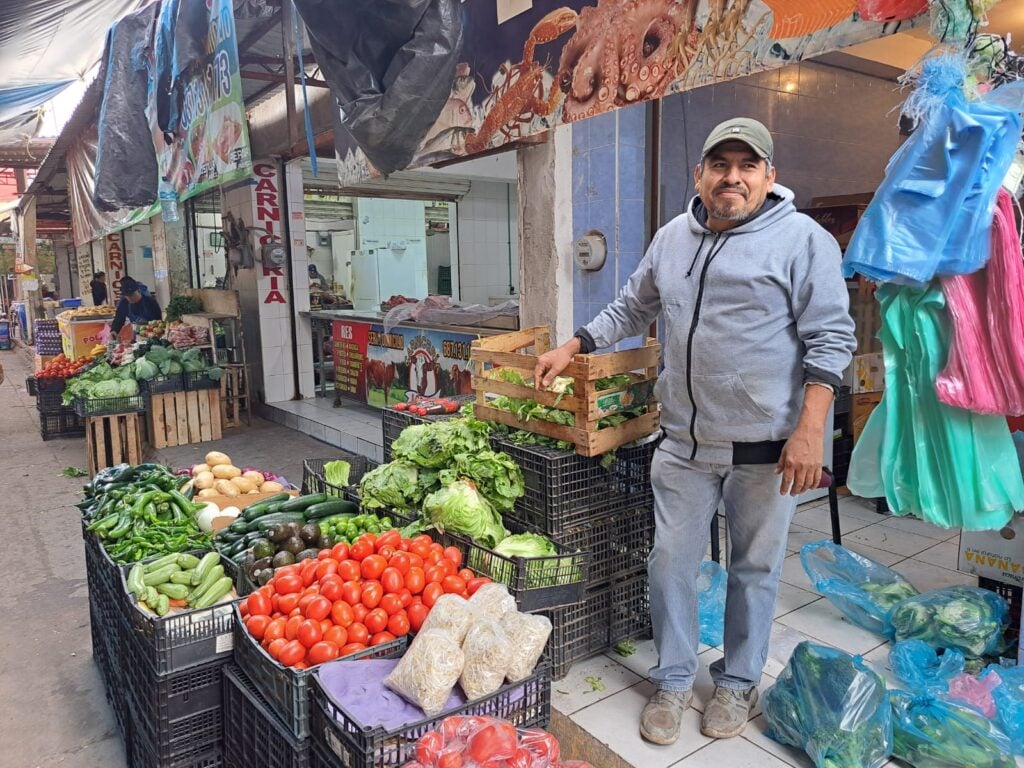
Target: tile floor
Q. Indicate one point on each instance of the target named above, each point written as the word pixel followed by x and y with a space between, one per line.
pixel 923 553
pixel 351 426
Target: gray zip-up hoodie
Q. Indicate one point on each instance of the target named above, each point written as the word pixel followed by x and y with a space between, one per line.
pixel 750 315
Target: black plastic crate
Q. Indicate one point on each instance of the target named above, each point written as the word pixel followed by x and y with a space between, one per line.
pixel 50 383
pixel 243 584
pixel 535 582
pixel 172 382
pixel 393 422
pixel 63 424
pixel 30 386
pixel 615 544
pixel 182 640
pixel 194 380
pixel 141 755
pixel 1014 596
pixel 841 407
pixel 103 575
pixel 51 401
pixel 287 690
pixel 564 490
pixel 345 742
pixel 611 613
pixel 105 406
pixel 254 737
pixel 842 449
pixel 313 480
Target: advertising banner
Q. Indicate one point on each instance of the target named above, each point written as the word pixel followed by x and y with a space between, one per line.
pixel 349 345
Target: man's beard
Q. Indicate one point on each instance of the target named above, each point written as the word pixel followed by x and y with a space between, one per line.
pixel 730 213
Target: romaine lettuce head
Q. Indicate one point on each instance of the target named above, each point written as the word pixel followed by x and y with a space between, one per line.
pixel 390 486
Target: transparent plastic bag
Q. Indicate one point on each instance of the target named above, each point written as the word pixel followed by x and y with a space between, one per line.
pixel 919 667
pixel 975 692
pixel 528 633
pixel 969 619
pixel 863 590
pixel 932 733
pixel 1009 701
pixel 451 614
pixel 474 741
pixel 492 600
pixel 427 673
pixel 488 655
pixel 831 705
pixel 711 588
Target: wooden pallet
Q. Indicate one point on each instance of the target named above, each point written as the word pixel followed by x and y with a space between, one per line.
pixel 113 439
pixel 183 418
pixel 587 404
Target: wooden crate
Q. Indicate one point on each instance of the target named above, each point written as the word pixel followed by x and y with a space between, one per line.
pixel 113 439
pixel 234 393
pixel 587 404
pixel 182 418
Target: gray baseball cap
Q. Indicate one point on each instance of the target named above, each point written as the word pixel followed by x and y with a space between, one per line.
pixel 745 129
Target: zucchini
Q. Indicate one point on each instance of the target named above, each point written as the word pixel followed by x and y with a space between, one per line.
pixel 163 605
pixel 262 507
pixel 216 591
pixel 299 503
pixel 215 573
pixel 152 578
pixel 209 561
pixel 187 562
pixel 328 508
pixel 173 591
pixel 181 577
pixel 160 563
pixel 135 584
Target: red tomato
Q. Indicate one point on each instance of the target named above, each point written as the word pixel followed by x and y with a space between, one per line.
pixel 417 615
pixel 289 583
pixel 404 545
pixel 372 594
pixel 351 648
pixel 319 608
pixel 358 633
pixel 323 554
pixel 348 570
pixel 285 570
pixel 274 630
pixel 303 665
pixel 429 747
pixel 326 568
pixel 450 760
pixel 337 635
pixel 391 604
pixel 420 546
pixel 386 551
pixel 267 590
pixel 380 638
pixel 339 551
pixel 257 625
pixel 275 646
pixel 391 539
pixel 259 604
pixel 400 562
pixel 308 572
pixel 309 633
pixel 415 580
pixel 243 608
pixel 430 594
pixel 453 585
pixel 433 557
pixel 312 589
pixel 325 625
pixel 450 569
pixel 341 613
pixel 398 624
pixel 453 554
pixel 330 588
pixel 351 592
pixel 359 611
pixel 392 580
pixel 304 602
pixel 362 547
pixel 497 740
pixel 415 561
pixel 292 653
pixel 435 574
pixel 406 597
pixel 376 621
pixel 296 612
pixel 372 566
pixel 323 651
pixel 291 628
pixel 474 584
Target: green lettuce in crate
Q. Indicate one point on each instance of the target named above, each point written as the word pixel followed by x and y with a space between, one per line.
pixel 460 508
pixel 495 475
pixel 433 445
pixel 548 572
pixel 336 473
pixel 391 486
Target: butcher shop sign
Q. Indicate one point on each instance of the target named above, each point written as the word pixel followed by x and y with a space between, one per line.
pixel 268 216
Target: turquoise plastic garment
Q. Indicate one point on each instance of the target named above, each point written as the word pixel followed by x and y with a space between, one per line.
pixel 933 211
pixel 949 466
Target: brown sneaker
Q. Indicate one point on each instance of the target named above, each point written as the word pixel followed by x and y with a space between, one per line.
pixel 660 720
pixel 727 713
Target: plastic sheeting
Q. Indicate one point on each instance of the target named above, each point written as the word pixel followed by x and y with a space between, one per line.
pixel 919 667
pixel 932 213
pixel 985 370
pixel 126 167
pixel 179 40
pixel 442 310
pixel 390 65
pixel 949 466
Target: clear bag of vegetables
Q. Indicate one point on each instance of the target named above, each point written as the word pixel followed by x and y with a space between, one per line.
pixel 919 667
pixel 969 619
pixel 863 590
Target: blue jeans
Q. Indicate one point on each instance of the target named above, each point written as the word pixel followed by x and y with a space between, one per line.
pixel 686 496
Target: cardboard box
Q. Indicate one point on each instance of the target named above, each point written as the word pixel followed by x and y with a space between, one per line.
pixel 868 373
pixel 995 555
pixel 838 220
pixel 861 407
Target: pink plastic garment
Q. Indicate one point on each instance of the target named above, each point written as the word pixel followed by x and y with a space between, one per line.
pixel 985 369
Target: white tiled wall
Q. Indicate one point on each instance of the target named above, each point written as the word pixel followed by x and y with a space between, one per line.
pixel 486 225
pixel 135 239
pixel 300 270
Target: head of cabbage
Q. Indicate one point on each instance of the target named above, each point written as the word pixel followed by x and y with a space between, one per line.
pixel 460 508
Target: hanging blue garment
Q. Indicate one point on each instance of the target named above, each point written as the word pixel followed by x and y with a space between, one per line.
pixel 933 211
pixel 949 466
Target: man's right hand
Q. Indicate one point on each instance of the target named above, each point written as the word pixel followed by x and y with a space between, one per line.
pixel 552 363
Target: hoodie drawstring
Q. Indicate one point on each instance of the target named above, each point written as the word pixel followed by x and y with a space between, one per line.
pixel 696 255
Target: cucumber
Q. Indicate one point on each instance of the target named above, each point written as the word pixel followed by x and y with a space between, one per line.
pixel 262 507
pixel 302 502
pixel 333 507
pixel 269 521
pixel 241 525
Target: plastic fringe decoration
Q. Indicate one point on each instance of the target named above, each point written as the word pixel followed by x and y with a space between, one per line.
pixel 932 81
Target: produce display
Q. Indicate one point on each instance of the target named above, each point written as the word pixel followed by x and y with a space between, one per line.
pixel 181 581
pixel 101 382
pixel 155 329
pixel 62 368
pixel 181 305
pixel 138 513
pixel 183 336
pixel 91 313
pixel 488 742
pixel 346 599
pixel 217 476
pixel 968 619
pixel 433 406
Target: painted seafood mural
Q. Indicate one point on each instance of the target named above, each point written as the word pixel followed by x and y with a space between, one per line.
pixel 560 62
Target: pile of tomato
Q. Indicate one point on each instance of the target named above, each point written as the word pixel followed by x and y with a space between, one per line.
pixel 487 742
pixel 351 598
pixel 62 368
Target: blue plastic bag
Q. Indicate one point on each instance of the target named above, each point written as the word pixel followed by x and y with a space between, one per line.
pixel 919 667
pixel 1009 698
pixel 711 587
pixel 933 733
pixel 969 619
pixel 833 706
pixel 863 590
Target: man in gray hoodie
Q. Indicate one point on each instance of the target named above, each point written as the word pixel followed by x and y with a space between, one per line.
pixel 757 336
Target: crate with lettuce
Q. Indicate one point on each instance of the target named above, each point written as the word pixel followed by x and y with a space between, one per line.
pixel 104 389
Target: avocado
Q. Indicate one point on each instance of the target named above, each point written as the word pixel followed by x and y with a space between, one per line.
pixel 259 565
pixel 325 542
pixel 283 558
pixel 263 548
pixel 306 554
pixel 293 545
pixel 278 533
pixel 264 576
pixel 294 529
pixel 310 533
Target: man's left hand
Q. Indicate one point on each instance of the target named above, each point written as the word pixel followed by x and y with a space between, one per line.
pixel 800 462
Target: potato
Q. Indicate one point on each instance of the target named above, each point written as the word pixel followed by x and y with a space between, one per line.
pixel 204 480
pixel 200 468
pixel 256 477
pixel 252 492
pixel 244 484
pixel 213 458
pixel 206 493
pixel 225 471
pixel 226 488
pixel 271 487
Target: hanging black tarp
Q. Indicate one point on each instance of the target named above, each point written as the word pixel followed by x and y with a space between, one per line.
pixel 390 65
